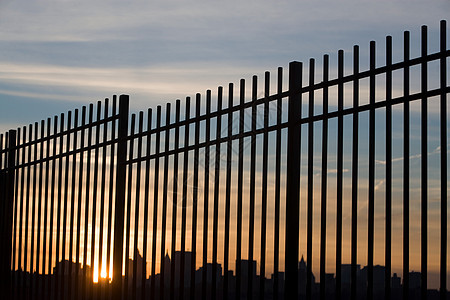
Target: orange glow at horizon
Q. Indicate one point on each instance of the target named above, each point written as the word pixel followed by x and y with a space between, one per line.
pixel 103 274
pixel 95 277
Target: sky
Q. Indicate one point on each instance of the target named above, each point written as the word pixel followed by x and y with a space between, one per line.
pixel 57 55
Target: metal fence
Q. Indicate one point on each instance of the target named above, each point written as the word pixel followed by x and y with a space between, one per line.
pixel 218 200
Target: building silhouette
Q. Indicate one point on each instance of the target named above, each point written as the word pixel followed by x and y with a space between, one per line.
pixel 139 265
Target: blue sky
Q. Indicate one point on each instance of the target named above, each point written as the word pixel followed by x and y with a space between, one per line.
pixel 57 55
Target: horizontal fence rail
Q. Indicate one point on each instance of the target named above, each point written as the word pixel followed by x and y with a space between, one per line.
pixel 334 186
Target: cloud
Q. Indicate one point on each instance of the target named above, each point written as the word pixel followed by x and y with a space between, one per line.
pixel 437 150
pixel 379 184
pixel 170 80
pixel 334 171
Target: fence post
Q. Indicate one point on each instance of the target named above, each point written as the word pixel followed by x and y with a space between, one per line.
pixel 293 180
pixel 7 226
pixel 120 196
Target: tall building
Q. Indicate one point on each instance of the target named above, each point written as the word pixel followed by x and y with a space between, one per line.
pixel 177 261
pixel 245 265
pixel 63 268
pixel 139 263
pixel 395 282
pixel 209 267
pixel 414 280
pixel 346 273
pixel 302 277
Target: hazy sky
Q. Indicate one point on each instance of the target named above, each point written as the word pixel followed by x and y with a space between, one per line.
pixel 57 55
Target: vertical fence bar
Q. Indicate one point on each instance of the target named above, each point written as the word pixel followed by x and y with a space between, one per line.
pixel 22 211
pixel 216 192
pixel 137 204
pixel 16 208
pixel 164 207
pixel 276 254
pixel 2 197
pixel 66 203
pixel 11 181
pixel 195 197
pixel 370 243
pixel 262 273
pixel 7 191
pixel 44 243
pixel 52 205
pixel 128 201
pixel 22 200
pixel 15 268
pixel 27 212
pixel 293 179
pixel 57 272
pixel 252 191
pixel 22 275
pixel 95 196
pixel 155 200
pixel 18 198
pixel 80 197
pixel 424 167
pixel 146 201
pixel 184 196
pixel 355 141
pixel 33 208
pixel 120 196
pixel 406 139
pixel 72 201
pixel 174 200
pixel 388 226
pixel 20 152
pixel 155 204
pixel 324 177
pixel 113 166
pixel 240 187
pixel 40 273
pixel 310 183
pixel 6 267
pixel 228 192
pixel 184 199
pixel 3 174
pixel 86 206
pixel 340 167
pixel 18 215
pixel 443 144
pixel 102 196
pixel 205 194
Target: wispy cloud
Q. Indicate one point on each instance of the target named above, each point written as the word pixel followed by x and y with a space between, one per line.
pixel 334 171
pixel 437 150
pixel 379 184
pixel 167 81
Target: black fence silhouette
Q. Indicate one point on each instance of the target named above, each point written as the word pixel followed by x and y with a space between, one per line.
pixel 235 191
